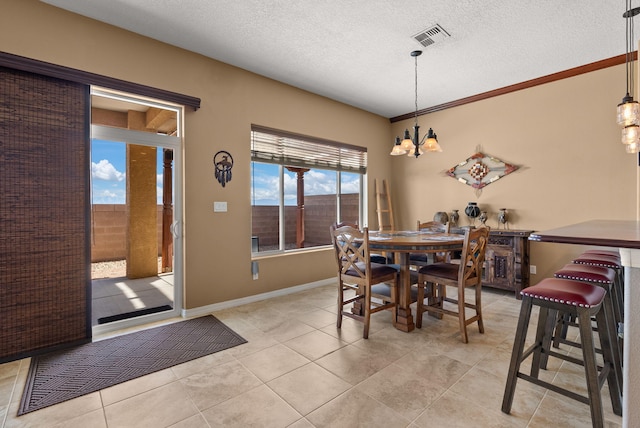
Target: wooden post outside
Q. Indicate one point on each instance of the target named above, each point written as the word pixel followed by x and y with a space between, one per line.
pixel 300 200
pixel 167 211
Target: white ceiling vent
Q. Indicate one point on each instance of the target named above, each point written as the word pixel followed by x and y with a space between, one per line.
pixel 431 35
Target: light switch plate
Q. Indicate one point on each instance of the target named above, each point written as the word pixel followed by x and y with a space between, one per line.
pixel 219 207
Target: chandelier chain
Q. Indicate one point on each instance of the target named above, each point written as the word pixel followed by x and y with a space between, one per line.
pixel 416 90
pixel 629 50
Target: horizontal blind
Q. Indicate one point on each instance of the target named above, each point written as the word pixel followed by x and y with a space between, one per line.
pixel 289 149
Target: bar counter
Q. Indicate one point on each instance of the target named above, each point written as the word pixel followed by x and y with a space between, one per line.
pixel 624 235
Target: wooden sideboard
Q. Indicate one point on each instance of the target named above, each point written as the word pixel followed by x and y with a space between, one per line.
pixel 506 263
pixel 507 260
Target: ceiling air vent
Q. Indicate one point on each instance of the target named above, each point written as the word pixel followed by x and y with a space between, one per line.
pixel 431 35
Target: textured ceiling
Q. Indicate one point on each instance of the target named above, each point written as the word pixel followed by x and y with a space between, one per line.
pixel 358 51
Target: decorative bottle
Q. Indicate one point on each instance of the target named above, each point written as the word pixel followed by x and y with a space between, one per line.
pixel 503 217
pixel 472 211
pixel 453 218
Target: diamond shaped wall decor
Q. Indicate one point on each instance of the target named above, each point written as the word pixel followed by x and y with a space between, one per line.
pixel 480 170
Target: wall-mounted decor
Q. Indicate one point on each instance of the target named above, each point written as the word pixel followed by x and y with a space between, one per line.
pixel 480 170
pixel 223 162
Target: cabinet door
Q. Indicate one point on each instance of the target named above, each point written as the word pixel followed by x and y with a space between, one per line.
pixel 499 260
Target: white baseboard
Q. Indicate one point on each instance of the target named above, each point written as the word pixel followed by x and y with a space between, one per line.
pixel 204 310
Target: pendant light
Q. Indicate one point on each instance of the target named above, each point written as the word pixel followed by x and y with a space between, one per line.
pixel 628 111
pixel 413 146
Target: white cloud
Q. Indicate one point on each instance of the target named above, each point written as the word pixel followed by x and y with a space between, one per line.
pixel 316 182
pixel 350 186
pixel 320 182
pixel 107 194
pixel 104 170
pixel 266 188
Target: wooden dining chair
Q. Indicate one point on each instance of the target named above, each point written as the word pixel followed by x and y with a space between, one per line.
pixel 382 258
pixel 422 259
pixel 433 280
pixel 357 274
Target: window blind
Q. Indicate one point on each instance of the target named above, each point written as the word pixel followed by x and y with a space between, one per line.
pixel 45 249
pixel 289 149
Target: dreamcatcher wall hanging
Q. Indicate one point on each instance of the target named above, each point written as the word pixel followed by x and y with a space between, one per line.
pixel 223 162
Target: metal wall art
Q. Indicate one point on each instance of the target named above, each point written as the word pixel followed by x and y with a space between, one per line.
pixel 223 162
pixel 480 170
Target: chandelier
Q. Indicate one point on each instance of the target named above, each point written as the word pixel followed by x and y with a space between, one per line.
pixel 628 111
pixel 414 146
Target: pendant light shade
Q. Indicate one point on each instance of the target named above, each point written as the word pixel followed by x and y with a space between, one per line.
pixel 628 111
pixel 632 148
pixel 397 149
pixel 431 143
pixel 407 142
pixel 630 134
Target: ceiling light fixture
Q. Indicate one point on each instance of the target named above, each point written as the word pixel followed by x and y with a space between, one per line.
pixel 410 146
pixel 628 111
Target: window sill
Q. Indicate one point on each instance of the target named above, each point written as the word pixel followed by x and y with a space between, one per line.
pixel 275 254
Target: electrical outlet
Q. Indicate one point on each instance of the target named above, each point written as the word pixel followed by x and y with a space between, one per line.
pixel 532 269
pixel 220 207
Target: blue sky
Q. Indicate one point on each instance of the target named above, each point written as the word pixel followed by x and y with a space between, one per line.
pixel 108 173
pixel 108 176
pixel 316 182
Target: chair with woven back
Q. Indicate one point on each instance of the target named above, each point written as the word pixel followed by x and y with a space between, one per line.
pixel 357 274
pixel 433 280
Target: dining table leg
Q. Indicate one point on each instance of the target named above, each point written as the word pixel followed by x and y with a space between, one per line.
pixel 404 319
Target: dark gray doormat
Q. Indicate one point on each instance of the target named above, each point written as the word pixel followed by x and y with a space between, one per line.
pixel 63 375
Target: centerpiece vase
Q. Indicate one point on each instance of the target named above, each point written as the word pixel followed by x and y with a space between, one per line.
pixel 472 211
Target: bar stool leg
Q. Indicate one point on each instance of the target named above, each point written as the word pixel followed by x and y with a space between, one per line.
pixel 546 324
pixel 516 354
pixel 612 343
pixel 608 343
pixel 590 367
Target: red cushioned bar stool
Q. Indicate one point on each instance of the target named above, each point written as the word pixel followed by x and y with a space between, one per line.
pixel 583 300
pixel 603 253
pixel 597 275
pixel 611 262
pixel 602 277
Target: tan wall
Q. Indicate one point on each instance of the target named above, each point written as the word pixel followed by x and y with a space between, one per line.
pixel 563 135
pixel 217 245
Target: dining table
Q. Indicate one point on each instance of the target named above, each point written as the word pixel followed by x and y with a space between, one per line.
pixel 623 235
pixel 401 244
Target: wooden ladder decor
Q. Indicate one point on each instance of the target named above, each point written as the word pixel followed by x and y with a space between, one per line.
pixel 383 206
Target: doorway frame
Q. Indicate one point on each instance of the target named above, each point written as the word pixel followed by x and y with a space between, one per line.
pixel 175 143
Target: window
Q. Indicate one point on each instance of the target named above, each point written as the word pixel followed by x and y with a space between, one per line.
pixel 300 186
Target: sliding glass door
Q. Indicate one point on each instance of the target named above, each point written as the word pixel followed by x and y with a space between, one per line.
pixel 136 210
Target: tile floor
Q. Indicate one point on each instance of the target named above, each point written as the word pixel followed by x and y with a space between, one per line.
pixel 298 370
